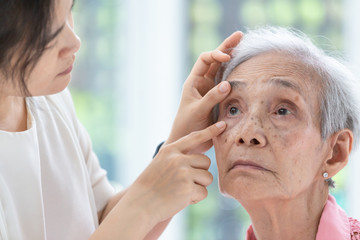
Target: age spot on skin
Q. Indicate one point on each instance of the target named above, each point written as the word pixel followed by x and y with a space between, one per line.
pixel 225 140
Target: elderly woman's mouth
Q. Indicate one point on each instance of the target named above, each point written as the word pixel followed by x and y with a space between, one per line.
pixel 247 165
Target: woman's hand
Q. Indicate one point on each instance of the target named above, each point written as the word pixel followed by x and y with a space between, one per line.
pixel 199 94
pixel 177 176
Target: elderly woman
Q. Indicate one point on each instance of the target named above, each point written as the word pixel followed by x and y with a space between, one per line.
pixel 292 120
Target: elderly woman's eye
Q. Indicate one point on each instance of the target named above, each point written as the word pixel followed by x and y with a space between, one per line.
pixel 233 111
pixel 282 111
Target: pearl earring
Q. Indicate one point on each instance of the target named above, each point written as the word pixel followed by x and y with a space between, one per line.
pixel 325 174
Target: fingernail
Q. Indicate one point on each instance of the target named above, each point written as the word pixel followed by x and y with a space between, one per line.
pixel 220 124
pixel 223 87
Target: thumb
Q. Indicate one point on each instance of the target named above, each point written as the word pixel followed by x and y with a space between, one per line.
pixel 214 96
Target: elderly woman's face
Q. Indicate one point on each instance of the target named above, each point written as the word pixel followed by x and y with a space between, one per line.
pixel 272 147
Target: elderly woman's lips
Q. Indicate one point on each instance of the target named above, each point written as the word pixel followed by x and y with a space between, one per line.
pixel 247 165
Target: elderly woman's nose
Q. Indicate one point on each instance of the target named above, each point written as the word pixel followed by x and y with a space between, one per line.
pixel 251 133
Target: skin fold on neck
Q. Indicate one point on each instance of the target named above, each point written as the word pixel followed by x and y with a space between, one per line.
pixel 295 218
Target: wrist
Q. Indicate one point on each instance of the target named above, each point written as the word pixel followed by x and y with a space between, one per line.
pixel 143 204
pixel 129 219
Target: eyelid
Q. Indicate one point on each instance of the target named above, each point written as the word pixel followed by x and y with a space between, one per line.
pixel 229 101
pixel 291 107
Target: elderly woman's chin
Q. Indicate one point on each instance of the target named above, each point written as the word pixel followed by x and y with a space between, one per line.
pixel 250 186
pixel 247 185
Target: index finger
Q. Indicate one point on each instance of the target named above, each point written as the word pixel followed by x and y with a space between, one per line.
pixel 230 42
pixel 194 139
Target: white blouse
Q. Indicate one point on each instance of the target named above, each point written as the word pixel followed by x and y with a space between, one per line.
pixel 51 183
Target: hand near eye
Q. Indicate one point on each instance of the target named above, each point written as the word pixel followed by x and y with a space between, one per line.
pixel 175 178
pixel 199 94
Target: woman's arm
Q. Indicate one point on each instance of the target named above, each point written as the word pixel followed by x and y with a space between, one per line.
pixel 153 234
pixel 177 176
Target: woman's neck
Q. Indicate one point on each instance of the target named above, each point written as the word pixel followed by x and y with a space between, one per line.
pixel 296 218
pixel 13 114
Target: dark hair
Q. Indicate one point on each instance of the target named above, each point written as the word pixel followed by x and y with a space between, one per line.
pixel 25 30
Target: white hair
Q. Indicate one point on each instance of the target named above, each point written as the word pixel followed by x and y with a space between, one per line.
pixel 339 96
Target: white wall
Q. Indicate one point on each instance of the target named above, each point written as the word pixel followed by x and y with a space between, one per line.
pixel 151 77
pixel 352 50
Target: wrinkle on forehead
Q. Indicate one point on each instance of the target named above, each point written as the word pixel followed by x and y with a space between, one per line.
pixel 279 82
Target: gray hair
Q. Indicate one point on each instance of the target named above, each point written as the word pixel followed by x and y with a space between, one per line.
pixel 339 103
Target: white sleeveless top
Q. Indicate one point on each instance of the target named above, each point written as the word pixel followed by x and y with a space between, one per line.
pixel 51 184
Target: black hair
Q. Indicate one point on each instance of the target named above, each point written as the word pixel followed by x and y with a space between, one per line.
pixel 25 32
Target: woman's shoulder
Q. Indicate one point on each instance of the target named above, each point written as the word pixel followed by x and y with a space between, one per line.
pixel 354 228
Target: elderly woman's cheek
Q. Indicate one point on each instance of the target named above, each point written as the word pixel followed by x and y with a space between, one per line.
pixel 219 144
pixel 224 140
pixel 222 145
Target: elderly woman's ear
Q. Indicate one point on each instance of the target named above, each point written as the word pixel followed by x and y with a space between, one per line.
pixel 341 145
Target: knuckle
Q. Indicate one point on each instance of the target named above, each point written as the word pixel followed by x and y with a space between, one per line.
pixel 200 194
pixel 205 162
pixel 195 135
pixel 166 149
pixel 204 57
pixel 205 54
pixel 183 173
pixel 203 194
pixel 210 97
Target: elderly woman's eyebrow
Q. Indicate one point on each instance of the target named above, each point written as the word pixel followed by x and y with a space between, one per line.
pixel 235 84
pixel 287 84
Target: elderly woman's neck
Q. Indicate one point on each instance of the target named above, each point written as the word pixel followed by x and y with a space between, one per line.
pixel 13 114
pixel 295 218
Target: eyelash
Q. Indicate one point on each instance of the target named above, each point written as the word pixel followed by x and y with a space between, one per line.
pixel 231 108
pixel 290 110
pixel 283 108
